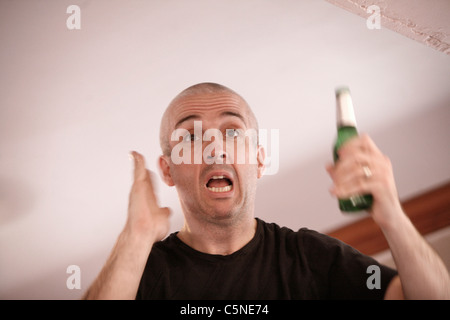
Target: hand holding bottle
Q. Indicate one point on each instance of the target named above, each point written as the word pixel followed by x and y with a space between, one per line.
pixel 346 129
pixel 363 169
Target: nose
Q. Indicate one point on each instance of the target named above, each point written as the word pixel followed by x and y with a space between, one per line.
pixel 217 155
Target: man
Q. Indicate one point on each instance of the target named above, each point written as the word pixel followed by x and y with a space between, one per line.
pixel 224 252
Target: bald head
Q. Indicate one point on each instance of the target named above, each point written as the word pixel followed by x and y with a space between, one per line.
pixel 203 90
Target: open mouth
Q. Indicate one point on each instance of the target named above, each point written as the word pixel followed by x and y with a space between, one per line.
pixel 219 184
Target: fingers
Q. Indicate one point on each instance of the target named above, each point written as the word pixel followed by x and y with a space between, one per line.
pixel 353 167
pixel 166 211
pixel 361 168
pixel 142 174
pixel 355 182
pixel 361 143
pixel 140 171
pixel 145 217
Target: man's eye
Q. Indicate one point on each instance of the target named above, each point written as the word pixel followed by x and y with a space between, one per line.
pixel 190 137
pixel 232 133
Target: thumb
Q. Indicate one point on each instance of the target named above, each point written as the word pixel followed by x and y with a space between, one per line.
pixel 140 171
pixel 166 211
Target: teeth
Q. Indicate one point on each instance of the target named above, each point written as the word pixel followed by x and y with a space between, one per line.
pixel 222 189
pixel 217 177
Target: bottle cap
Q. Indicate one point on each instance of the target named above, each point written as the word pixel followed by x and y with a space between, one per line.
pixel 345 115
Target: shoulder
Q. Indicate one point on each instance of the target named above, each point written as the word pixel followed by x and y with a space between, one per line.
pixel 166 247
pixel 315 240
pixel 164 258
pixel 305 238
pixel 318 250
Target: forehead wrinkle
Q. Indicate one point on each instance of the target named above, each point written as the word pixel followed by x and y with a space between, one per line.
pixel 198 105
pixel 195 115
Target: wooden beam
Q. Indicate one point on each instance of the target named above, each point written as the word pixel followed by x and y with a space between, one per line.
pixel 428 212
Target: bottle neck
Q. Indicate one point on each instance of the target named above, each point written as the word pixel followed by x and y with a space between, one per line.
pixel 345 115
pixel 347 130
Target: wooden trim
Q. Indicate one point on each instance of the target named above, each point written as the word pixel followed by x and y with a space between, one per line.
pixel 428 212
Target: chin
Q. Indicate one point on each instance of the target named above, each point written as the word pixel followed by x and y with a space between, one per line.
pixel 223 216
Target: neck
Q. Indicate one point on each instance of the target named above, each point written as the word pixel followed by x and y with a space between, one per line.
pixel 218 238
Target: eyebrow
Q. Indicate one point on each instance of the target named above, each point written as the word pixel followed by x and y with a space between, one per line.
pixel 233 114
pixel 194 116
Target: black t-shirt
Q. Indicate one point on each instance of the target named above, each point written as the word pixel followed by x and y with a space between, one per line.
pixel 277 263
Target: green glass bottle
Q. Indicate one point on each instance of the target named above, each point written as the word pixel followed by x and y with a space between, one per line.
pixel 346 129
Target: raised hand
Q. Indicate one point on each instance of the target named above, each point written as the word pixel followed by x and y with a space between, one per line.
pixel 146 224
pixel 145 217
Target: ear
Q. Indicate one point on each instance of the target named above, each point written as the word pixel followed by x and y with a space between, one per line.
pixel 261 157
pixel 164 170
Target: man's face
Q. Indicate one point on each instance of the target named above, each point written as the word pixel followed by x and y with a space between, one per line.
pixel 214 192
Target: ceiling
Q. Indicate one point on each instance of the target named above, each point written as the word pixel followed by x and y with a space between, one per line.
pixel 73 103
pixel 423 22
